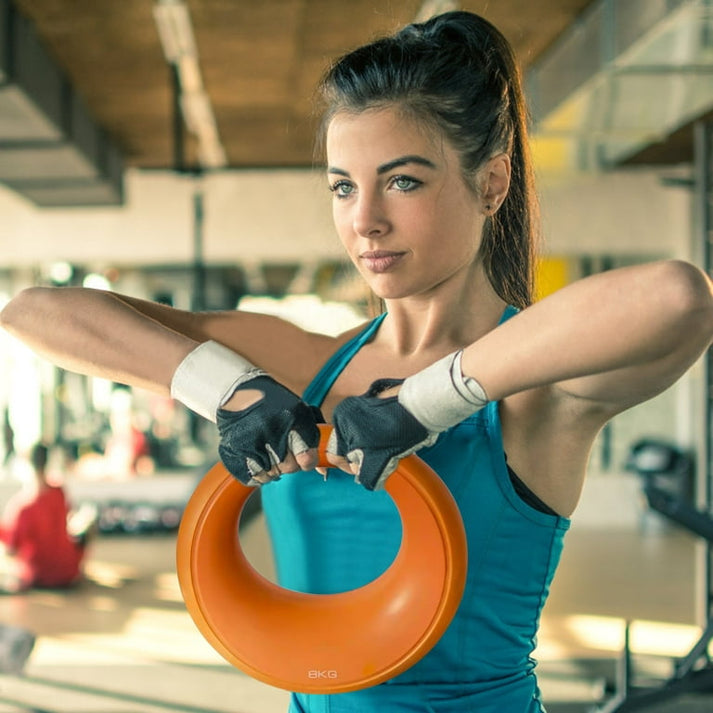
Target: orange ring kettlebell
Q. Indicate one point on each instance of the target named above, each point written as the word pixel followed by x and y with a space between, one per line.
pixel 324 643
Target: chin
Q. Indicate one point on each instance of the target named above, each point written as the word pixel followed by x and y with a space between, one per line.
pixel 391 286
pixel 392 292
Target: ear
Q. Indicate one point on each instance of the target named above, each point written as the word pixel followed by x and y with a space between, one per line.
pixel 495 182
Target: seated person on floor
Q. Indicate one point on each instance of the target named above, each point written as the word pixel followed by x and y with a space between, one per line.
pixel 39 548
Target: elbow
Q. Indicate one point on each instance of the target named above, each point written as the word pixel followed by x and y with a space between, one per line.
pixel 20 308
pixel 10 313
pixel 689 296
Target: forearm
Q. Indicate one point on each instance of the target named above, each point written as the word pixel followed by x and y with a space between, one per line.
pixel 662 312
pixel 94 332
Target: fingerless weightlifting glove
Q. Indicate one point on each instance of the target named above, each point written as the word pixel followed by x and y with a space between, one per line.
pixel 258 437
pixel 376 433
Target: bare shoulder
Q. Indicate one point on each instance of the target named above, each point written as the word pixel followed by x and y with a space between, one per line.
pixel 548 437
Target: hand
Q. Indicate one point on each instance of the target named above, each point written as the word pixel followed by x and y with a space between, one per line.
pixel 267 430
pixel 373 432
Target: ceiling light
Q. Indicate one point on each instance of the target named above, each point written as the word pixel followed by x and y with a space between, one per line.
pixel 176 34
pixel 174 29
pixel 430 8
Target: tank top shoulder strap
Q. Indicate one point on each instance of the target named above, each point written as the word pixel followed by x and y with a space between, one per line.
pixel 321 384
pixel 491 411
pixel 509 311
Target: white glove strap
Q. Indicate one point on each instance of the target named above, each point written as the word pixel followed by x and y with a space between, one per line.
pixel 439 396
pixel 208 376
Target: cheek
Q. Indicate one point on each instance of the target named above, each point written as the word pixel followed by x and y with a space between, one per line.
pixel 340 223
pixel 343 226
pixel 337 216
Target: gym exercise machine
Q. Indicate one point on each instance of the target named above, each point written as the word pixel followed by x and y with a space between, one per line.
pixel 666 472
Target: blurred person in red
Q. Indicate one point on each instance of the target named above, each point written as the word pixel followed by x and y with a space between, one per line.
pixel 41 550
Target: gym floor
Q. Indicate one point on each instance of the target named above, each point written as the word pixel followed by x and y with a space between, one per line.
pixel 122 641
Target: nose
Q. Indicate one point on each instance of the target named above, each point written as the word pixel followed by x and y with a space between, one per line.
pixel 370 219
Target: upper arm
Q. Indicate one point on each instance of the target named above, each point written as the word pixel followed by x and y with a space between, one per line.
pixel 689 314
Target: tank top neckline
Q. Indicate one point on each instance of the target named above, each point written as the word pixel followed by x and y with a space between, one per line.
pixel 319 387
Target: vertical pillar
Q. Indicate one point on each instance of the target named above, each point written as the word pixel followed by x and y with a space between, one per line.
pixel 703 164
pixel 199 270
pixel 179 155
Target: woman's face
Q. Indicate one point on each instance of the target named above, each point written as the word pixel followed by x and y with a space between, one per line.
pixel 400 204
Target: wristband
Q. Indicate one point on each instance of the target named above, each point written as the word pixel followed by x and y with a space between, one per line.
pixel 439 396
pixel 208 377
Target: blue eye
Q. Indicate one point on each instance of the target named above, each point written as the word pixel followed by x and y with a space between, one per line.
pixel 342 189
pixel 405 183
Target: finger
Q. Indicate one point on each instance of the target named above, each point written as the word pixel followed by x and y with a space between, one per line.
pixel 307 460
pixel 253 467
pixel 333 458
pixel 258 475
pixel 272 475
pixel 289 464
pixel 272 455
pixel 306 457
pixel 261 478
pixel 340 462
pixel 296 443
pixel 356 460
pixel 332 445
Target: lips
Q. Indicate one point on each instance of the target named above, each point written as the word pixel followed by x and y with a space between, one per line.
pixel 380 260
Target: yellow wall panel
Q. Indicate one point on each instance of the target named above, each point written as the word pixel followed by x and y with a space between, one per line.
pixel 552 274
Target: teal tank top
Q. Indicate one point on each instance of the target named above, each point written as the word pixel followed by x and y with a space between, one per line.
pixel 335 535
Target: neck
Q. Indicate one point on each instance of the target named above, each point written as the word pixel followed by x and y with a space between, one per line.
pixel 448 317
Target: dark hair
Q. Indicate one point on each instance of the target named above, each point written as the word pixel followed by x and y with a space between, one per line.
pixel 39 456
pixel 457 72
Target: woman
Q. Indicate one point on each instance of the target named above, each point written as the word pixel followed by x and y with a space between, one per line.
pixel 427 161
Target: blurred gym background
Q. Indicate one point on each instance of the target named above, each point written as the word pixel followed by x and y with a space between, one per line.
pixel 165 150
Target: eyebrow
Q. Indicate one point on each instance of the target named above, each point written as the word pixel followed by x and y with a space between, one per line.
pixel 390 165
